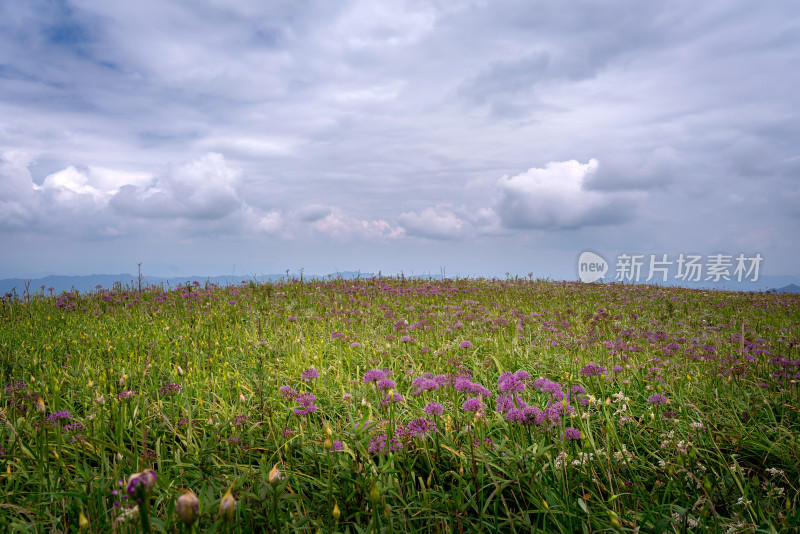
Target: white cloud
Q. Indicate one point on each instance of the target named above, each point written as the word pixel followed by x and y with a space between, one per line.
pixel 249 145
pixel 385 23
pixel 340 225
pixel 202 189
pixel 432 224
pixel 554 198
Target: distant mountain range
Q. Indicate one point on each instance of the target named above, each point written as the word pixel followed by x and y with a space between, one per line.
pixel 57 284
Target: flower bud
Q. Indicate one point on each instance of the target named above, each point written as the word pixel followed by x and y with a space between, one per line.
pixel 140 485
pixel 615 522
pixel 188 507
pixel 374 494
pixel 275 476
pixel 227 506
pixel 83 522
pixel 336 512
pixel 40 405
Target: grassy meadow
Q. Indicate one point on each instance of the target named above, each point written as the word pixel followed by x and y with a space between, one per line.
pixel 396 405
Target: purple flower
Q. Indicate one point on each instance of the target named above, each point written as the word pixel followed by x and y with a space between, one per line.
pixel 504 403
pixel 355 345
pixel 423 384
pixel 287 392
pixel 434 409
pixel 126 395
pixel 473 405
pixel 392 397
pixel 406 339
pixel 140 485
pixel 592 370
pixel 374 375
pixel 337 446
pixel 385 384
pixel 309 374
pixel 572 433
pixel 57 417
pixel 418 428
pixel 522 375
pixel 169 390
pixel 657 399
pixel 378 444
pixel 337 335
pixel 306 402
pixel 509 383
pixel 465 345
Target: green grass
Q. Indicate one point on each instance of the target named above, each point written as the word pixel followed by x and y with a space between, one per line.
pixel 721 455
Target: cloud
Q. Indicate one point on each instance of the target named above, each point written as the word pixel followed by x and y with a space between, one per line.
pixel 432 224
pixel 340 225
pixel 311 213
pixel 554 198
pixel 202 189
pixel 656 169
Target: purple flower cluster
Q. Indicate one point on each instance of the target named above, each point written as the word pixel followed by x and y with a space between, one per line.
pixel 392 397
pixel 337 446
pixel 572 433
pixel 473 404
pixel 306 402
pixel 287 392
pixel 657 399
pixel 375 375
pixel 466 386
pixel 126 395
pixel 418 428
pixel 512 382
pixel 434 409
pixel 592 370
pixel 57 418
pixel 309 374
pixel 425 383
pixel 14 387
pixel 386 384
pixel 169 390
pixel 380 444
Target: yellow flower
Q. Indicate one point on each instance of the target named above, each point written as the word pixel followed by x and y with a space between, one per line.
pixel 336 512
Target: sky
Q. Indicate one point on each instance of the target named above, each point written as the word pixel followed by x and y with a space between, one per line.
pixel 463 137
